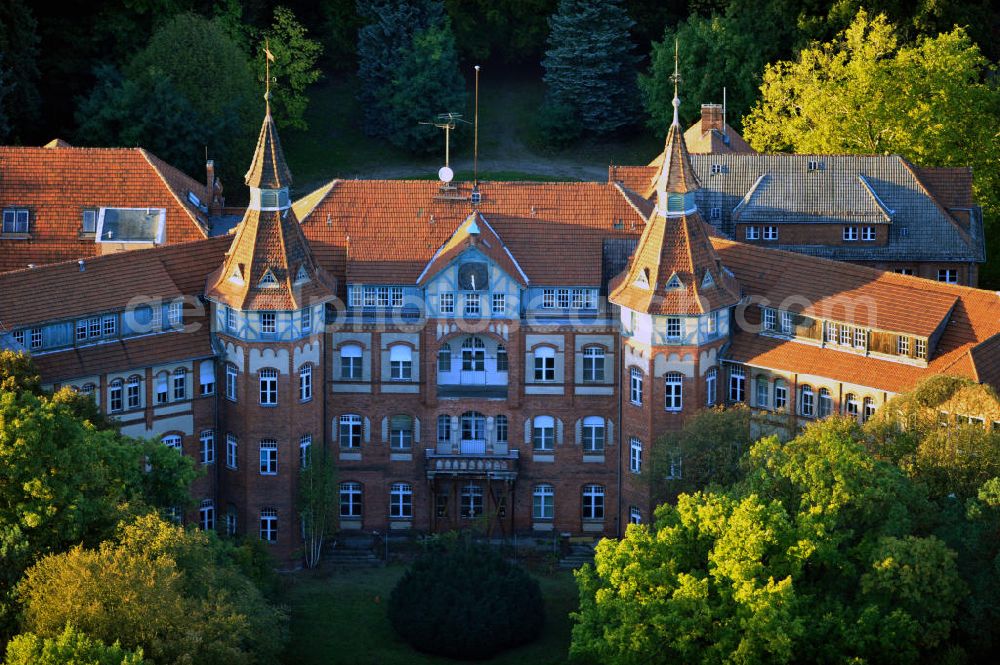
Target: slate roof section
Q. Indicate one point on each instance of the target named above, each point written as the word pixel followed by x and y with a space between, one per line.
pixel 849 189
pixel 268 170
pixel 674 173
pixel 57 182
pixel 125 354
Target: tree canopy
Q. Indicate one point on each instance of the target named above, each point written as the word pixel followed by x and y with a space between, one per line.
pixel 71 647
pixel 294 67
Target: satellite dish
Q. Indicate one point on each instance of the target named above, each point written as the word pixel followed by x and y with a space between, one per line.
pixel 445 174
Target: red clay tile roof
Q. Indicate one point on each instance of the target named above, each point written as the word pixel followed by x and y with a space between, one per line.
pixel 59 181
pixel 123 355
pixel 108 283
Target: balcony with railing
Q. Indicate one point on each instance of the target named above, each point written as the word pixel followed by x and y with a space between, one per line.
pixel 472 367
pixel 499 465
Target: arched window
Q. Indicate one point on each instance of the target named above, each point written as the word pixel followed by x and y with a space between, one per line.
pixel 674 391
pixel 268 457
pixel 268 386
pixel 593 364
pixel 593 435
pixel 545 363
pixel 206 515
pixel 473 432
pixel 305 383
pixel 400 362
pixel 231 373
pixel 350 362
pixel 851 407
pixel 544 433
pixel 172 441
pixel 807 401
pixel 473 355
pixel 350 431
pixel 780 394
pixel 180 383
pixel 869 409
pixel 711 386
pixel 444 358
pixel 635 386
pixel 825 407
pixel 593 502
pixel 162 388
pixel 350 500
pixel 635 455
pixel 543 502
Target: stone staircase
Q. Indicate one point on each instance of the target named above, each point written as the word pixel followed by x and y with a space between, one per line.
pixel 579 554
pixel 351 553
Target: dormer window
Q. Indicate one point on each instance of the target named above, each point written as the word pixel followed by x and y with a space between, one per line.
pixel 302 276
pixel 273 199
pixel 268 281
pixel 236 276
pixel 676 203
pixel 816 165
pixel 718 168
pixel 707 282
pixel 674 283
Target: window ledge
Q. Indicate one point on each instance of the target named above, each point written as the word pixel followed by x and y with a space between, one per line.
pixel 86 235
pixel 15 236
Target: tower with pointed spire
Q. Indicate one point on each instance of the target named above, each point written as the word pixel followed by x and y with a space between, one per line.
pixel 268 301
pixel 676 299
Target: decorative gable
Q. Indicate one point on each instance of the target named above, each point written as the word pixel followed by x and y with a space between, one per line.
pixel 674 283
pixel 268 281
pixel 302 276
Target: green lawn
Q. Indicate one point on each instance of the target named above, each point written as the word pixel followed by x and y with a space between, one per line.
pixel 340 617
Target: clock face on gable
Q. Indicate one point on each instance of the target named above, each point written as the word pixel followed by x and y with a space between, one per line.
pixel 473 277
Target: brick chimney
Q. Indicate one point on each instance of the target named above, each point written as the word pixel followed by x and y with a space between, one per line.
pixel 711 117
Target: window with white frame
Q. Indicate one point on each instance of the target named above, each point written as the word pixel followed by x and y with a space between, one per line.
pixel 305 383
pixel 831 333
pixel 543 502
pixel 162 392
pixel 634 515
pixel 231 324
pixel 471 501
pixel 206 377
pixel 673 396
pixel 206 515
pixel 268 323
pixel 207 446
pixel 845 335
pixel 180 383
pixel 133 393
pixel 15 220
pixel 109 326
pixel 231 374
pixel 499 303
pixel 769 319
pixel 172 441
pixel 675 466
pixel 305 450
pixel 593 502
pixel 712 324
pixel 350 362
pixel 19 337
pixel 94 327
pixel 268 457
pixel 593 364
pixel 920 348
pixel 762 395
pixel 473 355
pixel 787 323
pixel 175 311
pixel 780 395
pixel 868 409
pixel 825 405
pixel 473 306
pixel 860 338
pixel 674 328
pixel 306 321
pixel 711 384
pixel 503 364
pixel 232 451
pixel 447 303
pixel 396 296
pixel 903 345
pixel 737 384
pixel 548 298
pixel 850 233
pixel 269 525
pixel 401 501
pixel 593 435
pixel 89 222
pixel 444 429
pixel 231 521
pixel 868 233
pixel 807 401
pixel 948 275
pixel 502 429
pixel 400 362
pixel 444 358
pixel 562 298
pixel 268 386
pixel 635 386
pixel 635 455
pixel 545 363
pixel 401 432
pixel 753 233
pixel 543 436
pixel 473 429
pixel 770 233
pixel 350 431
pixel 350 500
pixel 851 405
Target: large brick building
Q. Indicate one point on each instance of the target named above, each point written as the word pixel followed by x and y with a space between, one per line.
pixel 505 352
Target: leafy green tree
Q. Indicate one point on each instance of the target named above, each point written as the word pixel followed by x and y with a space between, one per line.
pixel 709 447
pixel 294 67
pixel 317 504
pixel 191 87
pixel 590 64
pixel 822 554
pixel 186 601
pixel 70 647
pixel 857 94
pixel 408 70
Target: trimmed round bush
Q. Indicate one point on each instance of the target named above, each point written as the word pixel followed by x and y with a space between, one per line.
pixel 466 602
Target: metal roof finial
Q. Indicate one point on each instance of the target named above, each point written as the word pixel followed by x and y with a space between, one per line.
pixel 268 59
pixel 676 78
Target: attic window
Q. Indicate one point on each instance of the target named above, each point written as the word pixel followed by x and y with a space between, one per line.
pixel 268 281
pixel 674 283
pixel 302 276
pixel 236 276
pixel 642 279
pixel 145 225
pixel 15 220
pixel 715 213
pixel 718 168
pixel 193 198
pixel 476 196
pixel 816 165
pixel 707 282
pixel 89 222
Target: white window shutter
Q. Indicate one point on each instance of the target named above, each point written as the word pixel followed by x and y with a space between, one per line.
pixel 416 430
pixel 609 438
pixel 579 432
pixel 559 431
pixel 527 430
pixel 385 430
pixel 368 430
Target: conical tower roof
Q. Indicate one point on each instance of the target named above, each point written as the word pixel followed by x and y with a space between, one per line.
pixel 269 265
pixel 675 269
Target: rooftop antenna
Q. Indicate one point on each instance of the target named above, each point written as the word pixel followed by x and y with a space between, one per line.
pixel 447 122
pixel 475 142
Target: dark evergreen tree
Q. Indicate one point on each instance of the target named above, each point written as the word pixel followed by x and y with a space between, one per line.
pixel 408 70
pixel 19 47
pixel 590 64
